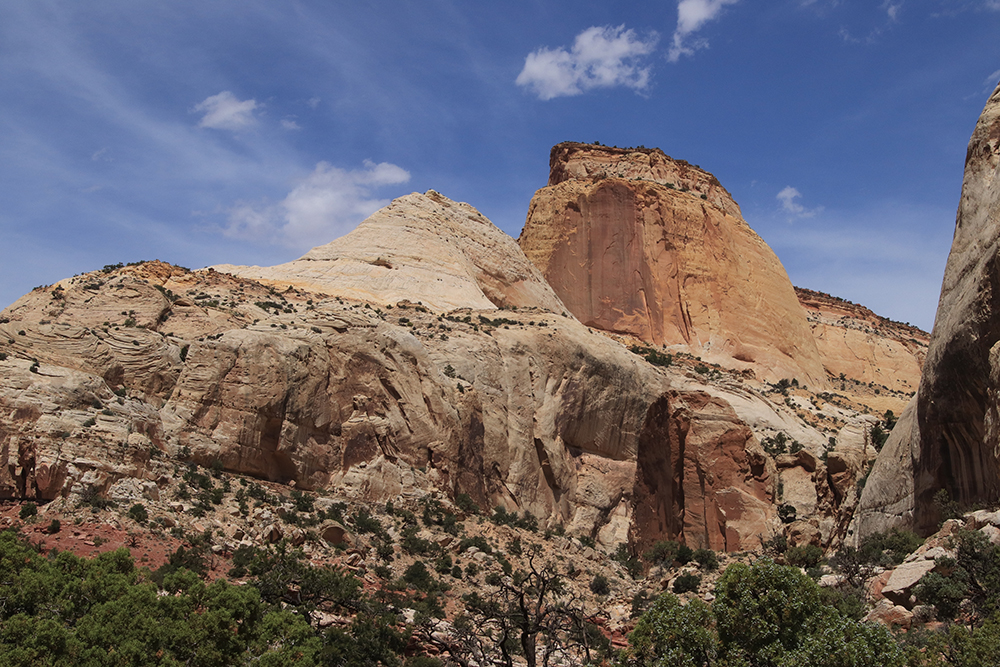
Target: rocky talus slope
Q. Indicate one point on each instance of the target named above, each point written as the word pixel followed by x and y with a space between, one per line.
pixel 118 374
pixel 949 437
pixel 635 242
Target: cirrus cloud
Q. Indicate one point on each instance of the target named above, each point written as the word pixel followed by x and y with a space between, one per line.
pixel 601 57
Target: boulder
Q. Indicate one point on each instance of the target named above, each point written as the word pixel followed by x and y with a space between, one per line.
pixel 903 579
pixel 888 614
pixel 334 533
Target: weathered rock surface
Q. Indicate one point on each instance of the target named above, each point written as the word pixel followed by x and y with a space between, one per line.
pixel 145 365
pixel 904 579
pixel 634 242
pixel 421 247
pixel 717 474
pixel 953 441
pixel 856 343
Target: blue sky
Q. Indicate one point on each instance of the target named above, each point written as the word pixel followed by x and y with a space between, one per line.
pixel 249 131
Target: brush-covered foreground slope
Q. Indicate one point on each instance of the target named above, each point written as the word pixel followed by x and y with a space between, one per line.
pixel 117 374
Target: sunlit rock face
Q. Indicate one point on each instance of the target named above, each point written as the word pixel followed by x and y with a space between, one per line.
pixel 635 242
pixel 302 374
pixel 857 344
pixel 421 247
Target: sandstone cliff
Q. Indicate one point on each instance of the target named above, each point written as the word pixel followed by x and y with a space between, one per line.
pixel 951 439
pixel 856 344
pixel 635 242
pixel 420 247
pixel 121 373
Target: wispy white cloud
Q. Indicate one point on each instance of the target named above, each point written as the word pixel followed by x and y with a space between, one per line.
pixel 600 58
pixel 226 112
pixel 691 16
pixel 290 124
pixel 990 82
pixel 869 254
pixel 892 8
pixel 788 197
pixel 324 205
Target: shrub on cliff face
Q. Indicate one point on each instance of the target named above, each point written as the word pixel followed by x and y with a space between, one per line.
pixel 28 511
pixel 668 552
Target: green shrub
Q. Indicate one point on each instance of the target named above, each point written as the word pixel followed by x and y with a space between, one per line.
pixel 364 522
pixel 806 556
pixel 707 559
pixel 502 517
pixel 515 548
pixel 418 576
pixel 687 583
pixel 945 587
pixel 138 513
pixel 466 504
pixel 849 601
pixel 443 564
pixel 417 546
pixel 628 561
pixel 478 541
pixel 787 513
pixel 599 585
pixel 27 511
pixel 54 527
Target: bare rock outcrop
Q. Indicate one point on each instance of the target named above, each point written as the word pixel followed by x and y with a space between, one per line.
pixel 714 472
pixel 856 343
pixel 421 244
pixel 634 242
pixel 140 367
pixel 953 439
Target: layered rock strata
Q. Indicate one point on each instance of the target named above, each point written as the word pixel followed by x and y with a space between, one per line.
pixel 421 247
pixel 634 242
pixel 112 374
pixel 856 343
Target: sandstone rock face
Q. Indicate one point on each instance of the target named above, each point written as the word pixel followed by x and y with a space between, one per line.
pixel 143 366
pixel 421 244
pixel 714 473
pixel 856 343
pixel 954 443
pixel 887 500
pixel 634 242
